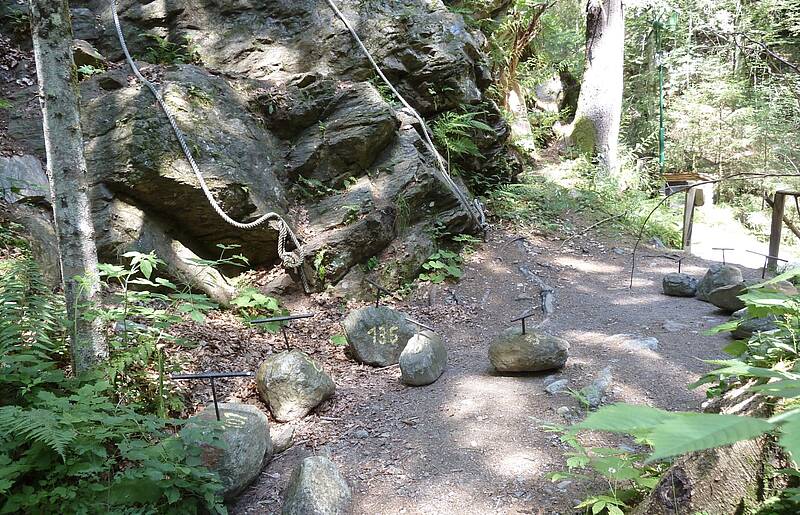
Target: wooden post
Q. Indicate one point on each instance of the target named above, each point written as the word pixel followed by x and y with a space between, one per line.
pixel 775 229
pixel 688 218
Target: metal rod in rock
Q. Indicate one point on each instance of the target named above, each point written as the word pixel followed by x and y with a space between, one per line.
pixel 379 290
pixel 767 257
pixel 212 376
pixel 523 318
pixel 284 318
pixel 420 324
pixel 723 249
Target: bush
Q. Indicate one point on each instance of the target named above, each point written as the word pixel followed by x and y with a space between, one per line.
pixel 66 444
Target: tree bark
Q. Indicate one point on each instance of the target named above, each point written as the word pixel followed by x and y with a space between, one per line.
pixel 595 129
pixel 66 168
pixel 731 479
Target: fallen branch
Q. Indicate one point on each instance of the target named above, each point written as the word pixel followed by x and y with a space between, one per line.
pixel 601 222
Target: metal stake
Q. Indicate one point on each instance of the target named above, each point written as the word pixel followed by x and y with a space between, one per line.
pixel 379 290
pixel 723 249
pixel 212 376
pixel 283 326
pixel 420 324
pixel 523 318
pixel 767 258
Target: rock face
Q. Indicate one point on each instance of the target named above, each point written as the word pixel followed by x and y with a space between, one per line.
pixel 317 488
pixel 377 335
pixel 281 114
pixel 529 352
pixel 727 297
pixel 293 384
pixel 716 277
pixel 249 447
pixel 423 359
pixel 679 285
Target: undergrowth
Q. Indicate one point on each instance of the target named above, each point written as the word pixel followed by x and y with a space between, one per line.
pixel 67 444
pixel 547 205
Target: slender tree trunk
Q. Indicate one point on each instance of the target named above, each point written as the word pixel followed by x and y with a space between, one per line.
pixel 66 168
pixel 595 129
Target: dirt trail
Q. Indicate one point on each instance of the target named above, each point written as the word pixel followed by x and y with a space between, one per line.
pixel 472 443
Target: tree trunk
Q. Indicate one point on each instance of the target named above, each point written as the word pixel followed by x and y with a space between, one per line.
pixel 521 131
pixel 66 169
pixel 595 129
pixel 732 479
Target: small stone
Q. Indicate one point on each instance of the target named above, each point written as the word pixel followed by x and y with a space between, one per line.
pixel 317 488
pixel 749 326
pixel 84 54
pixel 293 384
pixel 671 326
pixel 377 335
pixel 248 446
pixel 679 285
pixel 716 277
pixel 618 251
pixel 563 410
pixel 514 351
pixel 594 392
pixel 282 437
pixel 423 359
pixel 361 433
pixel 556 386
pixel 632 342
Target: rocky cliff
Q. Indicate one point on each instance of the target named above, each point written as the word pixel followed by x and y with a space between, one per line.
pixel 282 113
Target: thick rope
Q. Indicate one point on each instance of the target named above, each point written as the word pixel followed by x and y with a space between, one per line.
pixel 474 208
pixel 289 259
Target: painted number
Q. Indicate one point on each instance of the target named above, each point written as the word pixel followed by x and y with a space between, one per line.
pixel 383 335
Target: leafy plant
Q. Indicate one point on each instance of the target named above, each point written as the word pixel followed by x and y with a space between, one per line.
pixel 371 264
pixel 339 340
pixel 5 104
pixel 251 304
pixel 87 70
pixel 440 266
pixel 162 51
pixel 68 445
pixel 455 132
pixel 319 264
pixel 352 211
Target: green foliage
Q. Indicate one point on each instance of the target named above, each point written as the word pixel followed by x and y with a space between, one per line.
pixel 440 266
pixel 251 304
pixel 313 189
pixel 628 478
pixel 160 50
pixel 319 265
pixel 339 340
pixel 371 264
pixel 87 70
pixel 455 132
pixel 547 204
pixel 352 212
pixel 5 104
pixel 68 445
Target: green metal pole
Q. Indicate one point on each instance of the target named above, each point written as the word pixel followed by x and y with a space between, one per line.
pixel 661 133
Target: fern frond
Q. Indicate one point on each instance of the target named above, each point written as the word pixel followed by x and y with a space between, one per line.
pixel 38 425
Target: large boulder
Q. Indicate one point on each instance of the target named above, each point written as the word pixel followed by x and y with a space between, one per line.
pixel 248 446
pixel 423 359
pixel 679 285
pixel 514 351
pixel 293 384
pixel 377 335
pixel 716 277
pixel 281 114
pixel 317 488
pixel 727 297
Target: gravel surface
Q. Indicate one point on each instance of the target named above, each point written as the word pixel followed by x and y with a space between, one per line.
pixel 474 442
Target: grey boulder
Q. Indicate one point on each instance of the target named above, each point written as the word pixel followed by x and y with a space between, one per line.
pixel 317 488
pixel 727 297
pixel 595 392
pixel 716 277
pixel 749 326
pixel 423 359
pixel 248 446
pixel 377 335
pixel 514 351
pixel 679 285
pixel 293 384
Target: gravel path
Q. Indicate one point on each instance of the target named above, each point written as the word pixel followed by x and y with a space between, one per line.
pixel 473 442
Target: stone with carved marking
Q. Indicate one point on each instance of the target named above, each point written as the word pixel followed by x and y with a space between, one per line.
pixel 377 335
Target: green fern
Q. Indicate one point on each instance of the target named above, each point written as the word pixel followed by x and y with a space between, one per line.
pixel 37 425
pixel 456 132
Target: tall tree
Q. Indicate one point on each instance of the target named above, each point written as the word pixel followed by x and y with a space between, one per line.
pixel 66 167
pixel 597 120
